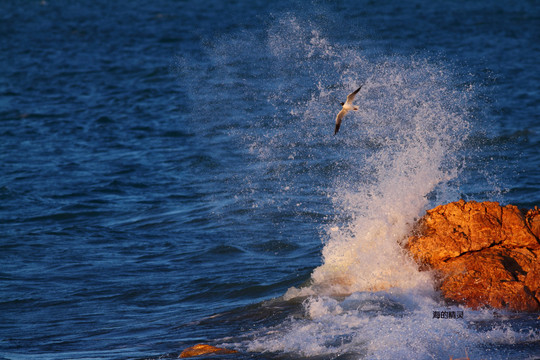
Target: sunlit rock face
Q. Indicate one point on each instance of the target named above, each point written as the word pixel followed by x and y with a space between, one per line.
pixel 204 349
pixel 484 254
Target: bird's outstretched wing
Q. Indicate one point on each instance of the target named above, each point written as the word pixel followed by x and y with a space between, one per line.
pixel 339 117
pixel 350 97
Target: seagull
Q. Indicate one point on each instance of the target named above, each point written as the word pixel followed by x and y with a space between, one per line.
pixel 347 106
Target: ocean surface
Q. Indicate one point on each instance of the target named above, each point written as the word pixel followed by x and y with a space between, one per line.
pixel 169 174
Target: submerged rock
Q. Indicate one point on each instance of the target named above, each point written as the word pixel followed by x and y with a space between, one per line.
pixel 203 349
pixel 485 255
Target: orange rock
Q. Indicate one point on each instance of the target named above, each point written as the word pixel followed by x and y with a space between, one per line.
pixel 533 221
pixel 485 254
pixel 203 349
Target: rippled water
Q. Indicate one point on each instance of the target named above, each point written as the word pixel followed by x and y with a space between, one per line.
pixel 169 174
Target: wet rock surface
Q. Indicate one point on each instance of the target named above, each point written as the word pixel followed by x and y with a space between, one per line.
pixel 483 254
pixel 204 349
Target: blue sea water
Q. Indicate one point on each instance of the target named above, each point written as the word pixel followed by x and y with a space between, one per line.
pixel 169 174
